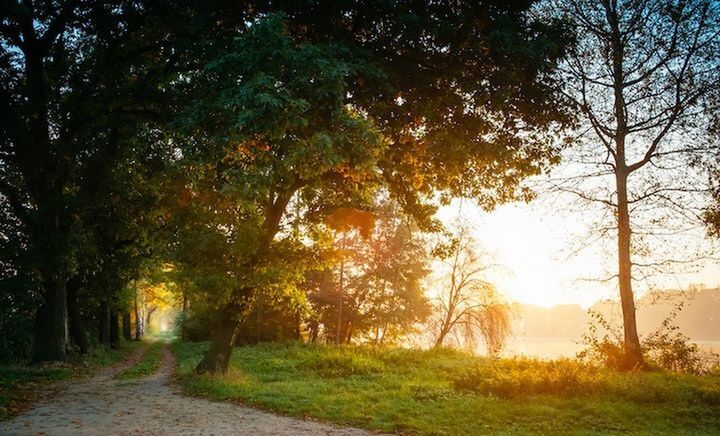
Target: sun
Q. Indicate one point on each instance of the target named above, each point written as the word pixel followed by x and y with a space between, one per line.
pixel 531 250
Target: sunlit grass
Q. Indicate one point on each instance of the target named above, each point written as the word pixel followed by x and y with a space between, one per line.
pixel 448 392
pixel 148 365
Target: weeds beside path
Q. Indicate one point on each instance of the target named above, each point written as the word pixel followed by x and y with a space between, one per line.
pixel 144 364
pixel 150 405
pixel 22 385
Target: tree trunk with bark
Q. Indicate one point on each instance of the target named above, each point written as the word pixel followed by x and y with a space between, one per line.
pixel 217 358
pixel 51 329
pixel 76 322
pixel 633 351
pixel 104 323
pixel 44 175
pixel 126 327
pixel 114 329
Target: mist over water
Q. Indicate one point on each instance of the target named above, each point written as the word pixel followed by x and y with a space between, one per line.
pixel 555 348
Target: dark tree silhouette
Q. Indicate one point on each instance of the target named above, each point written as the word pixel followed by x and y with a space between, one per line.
pixel 640 75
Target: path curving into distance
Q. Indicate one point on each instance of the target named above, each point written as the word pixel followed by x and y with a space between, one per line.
pixel 150 406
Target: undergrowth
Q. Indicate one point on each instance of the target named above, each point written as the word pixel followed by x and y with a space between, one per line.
pixel 449 392
pixel 19 382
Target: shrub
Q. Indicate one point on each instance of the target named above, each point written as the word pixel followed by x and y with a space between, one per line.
pixel 666 348
pixel 196 326
pixel 521 377
pixel 427 392
pixel 17 313
pixel 341 363
pixel 669 349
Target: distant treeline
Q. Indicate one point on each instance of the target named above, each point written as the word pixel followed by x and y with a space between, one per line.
pixel 699 317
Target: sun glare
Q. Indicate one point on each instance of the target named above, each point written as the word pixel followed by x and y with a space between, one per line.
pixel 539 260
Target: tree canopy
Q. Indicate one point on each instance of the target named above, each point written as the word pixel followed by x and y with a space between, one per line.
pixel 222 138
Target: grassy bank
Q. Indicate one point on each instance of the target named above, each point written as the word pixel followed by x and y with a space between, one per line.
pixel 19 383
pixel 447 392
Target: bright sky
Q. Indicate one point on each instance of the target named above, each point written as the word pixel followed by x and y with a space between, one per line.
pixel 533 243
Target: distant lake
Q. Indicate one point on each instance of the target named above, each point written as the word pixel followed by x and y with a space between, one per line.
pixel 553 348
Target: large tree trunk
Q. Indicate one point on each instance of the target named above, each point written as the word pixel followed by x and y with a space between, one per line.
pixel 114 329
pixel 126 328
pixel 633 352
pixel 40 173
pixel 51 323
pixel 217 358
pixel 104 323
pixel 76 323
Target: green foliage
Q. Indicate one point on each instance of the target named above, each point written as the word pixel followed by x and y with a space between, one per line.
pixel 484 77
pixel 604 344
pixel 269 318
pixel 195 327
pixel 450 392
pixel 307 117
pixel 81 157
pixel 266 127
pixel 129 128
pixel 17 309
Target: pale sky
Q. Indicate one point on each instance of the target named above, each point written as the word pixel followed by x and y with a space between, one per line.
pixel 533 243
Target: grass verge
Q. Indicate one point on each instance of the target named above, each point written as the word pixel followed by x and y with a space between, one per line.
pixel 19 384
pixel 449 392
pixel 148 365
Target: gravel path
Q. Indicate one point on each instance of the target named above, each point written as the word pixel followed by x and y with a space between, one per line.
pixel 102 405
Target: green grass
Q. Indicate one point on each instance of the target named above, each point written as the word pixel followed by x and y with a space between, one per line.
pixel 18 381
pixel 449 392
pixel 148 365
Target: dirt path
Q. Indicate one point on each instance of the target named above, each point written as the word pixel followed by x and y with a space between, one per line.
pixel 102 405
